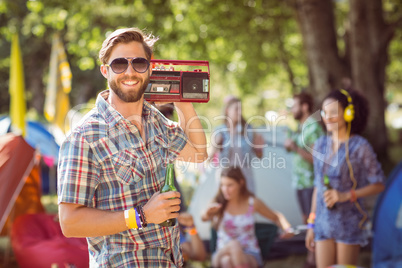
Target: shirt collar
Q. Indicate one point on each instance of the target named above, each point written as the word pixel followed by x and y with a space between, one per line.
pixel 112 116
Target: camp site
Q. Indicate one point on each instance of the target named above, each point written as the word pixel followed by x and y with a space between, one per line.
pixel 282 119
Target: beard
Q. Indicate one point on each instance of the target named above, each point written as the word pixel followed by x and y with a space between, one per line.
pixel 130 96
pixel 298 115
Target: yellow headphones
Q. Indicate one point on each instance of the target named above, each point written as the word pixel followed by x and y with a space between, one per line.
pixel 349 113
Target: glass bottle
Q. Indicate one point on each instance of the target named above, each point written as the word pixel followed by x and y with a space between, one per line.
pixel 327 186
pixel 167 187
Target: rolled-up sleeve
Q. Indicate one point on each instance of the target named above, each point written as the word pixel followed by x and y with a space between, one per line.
pixel 78 173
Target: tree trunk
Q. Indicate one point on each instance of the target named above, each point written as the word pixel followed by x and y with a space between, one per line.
pixel 36 87
pixel 36 62
pixel 368 48
pixel 366 51
pixel 326 68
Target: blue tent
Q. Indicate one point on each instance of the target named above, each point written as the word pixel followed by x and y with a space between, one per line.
pixel 37 136
pixel 387 223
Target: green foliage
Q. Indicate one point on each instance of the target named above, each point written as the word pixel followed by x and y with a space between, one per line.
pixel 254 47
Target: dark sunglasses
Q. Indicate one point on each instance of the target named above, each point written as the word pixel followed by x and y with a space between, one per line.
pixel 120 65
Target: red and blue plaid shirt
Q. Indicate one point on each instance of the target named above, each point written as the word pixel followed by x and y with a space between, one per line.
pixel 105 164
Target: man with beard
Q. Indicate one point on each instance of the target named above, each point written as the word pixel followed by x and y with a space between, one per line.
pixel 299 143
pixel 112 165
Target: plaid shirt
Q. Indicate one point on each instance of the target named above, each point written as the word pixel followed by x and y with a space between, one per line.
pixel 302 170
pixel 105 164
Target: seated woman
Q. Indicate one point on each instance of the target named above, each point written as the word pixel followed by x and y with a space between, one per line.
pixel 231 213
pixel 191 244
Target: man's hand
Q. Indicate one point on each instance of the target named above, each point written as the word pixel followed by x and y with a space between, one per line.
pixel 290 145
pixel 162 207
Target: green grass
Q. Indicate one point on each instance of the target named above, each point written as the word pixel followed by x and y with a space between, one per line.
pixel 50 203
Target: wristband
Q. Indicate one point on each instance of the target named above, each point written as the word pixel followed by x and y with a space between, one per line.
pixel 138 220
pixel 192 231
pixel 310 226
pixel 311 218
pixel 130 218
pixel 289 230
pixel 126 219
pixel 353 196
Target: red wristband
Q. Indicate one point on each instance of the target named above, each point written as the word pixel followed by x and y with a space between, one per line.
pixel 353 196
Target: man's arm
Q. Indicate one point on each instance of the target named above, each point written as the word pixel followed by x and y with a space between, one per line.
pixel 196 148
pixel 290 145
pixel 81 221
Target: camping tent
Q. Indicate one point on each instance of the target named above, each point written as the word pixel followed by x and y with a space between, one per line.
pixel 19 180
pixel 273 181
pixel 38 136
pixel 387 224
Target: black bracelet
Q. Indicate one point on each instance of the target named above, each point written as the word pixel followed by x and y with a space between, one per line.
pixel 142 216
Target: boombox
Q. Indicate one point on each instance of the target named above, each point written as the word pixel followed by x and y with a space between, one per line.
pixel 178 81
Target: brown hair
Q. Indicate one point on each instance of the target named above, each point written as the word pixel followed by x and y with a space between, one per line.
pixel 234 100
pixel 360 105
pixel 305 98
pixel 235 174
pixel 124 36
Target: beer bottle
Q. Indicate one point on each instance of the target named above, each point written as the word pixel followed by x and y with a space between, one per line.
pixel 167 187
pixel 327 186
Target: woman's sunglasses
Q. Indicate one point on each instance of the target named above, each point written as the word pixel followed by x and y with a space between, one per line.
pixel 120 65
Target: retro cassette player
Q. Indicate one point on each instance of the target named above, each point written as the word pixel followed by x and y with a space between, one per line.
pixel 178 81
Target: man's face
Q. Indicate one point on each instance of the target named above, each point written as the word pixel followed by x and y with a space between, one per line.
pixel 297 109
pixel 130 85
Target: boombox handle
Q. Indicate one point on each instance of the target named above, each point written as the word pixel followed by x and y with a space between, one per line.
pixel 182 62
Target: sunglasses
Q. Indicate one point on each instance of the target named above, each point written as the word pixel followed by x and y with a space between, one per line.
pixel 120 65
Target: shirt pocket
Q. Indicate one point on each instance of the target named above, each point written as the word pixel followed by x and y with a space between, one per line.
pixel 127 168
pixel 158 146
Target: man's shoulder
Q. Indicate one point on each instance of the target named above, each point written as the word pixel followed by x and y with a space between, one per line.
pixel 159 120
pixel 92 126
pixel 312 123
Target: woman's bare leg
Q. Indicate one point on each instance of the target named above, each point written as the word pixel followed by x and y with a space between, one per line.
pixel 233 251
pixel 325 253
pixel 347 254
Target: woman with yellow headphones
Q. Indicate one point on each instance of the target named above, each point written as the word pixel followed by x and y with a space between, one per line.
pixel 346 161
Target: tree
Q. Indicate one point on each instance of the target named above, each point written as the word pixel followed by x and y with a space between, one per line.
pixel 364 60
pixel 255 47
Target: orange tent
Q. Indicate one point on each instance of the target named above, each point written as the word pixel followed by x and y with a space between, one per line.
pixel 20 189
